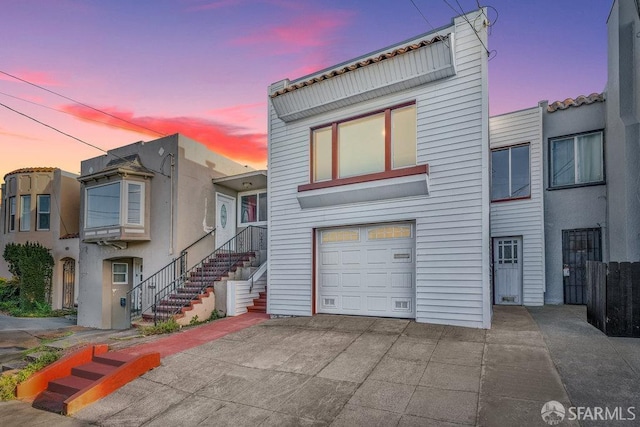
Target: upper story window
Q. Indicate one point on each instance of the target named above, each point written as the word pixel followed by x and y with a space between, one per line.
pixel 44 212
pixel 510 177
pixel 253 208
pixel 25 213
pixel 576 160
pixel 115 204
pixel 373 144
pixel 12 214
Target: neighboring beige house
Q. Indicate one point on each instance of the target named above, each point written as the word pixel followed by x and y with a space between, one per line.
pixel 142 205
pixel 42 205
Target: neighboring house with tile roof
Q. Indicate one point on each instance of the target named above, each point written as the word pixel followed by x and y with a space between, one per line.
pixel 41 204
pixel 379 183
pixel 144 203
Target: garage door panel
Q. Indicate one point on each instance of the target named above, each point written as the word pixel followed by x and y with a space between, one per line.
pixel 329 258
pixel 402 280
pixel 351 280
pixel 374 275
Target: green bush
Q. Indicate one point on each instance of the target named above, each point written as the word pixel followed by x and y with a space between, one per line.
pixel 32 266
pixel 161 328
pixel 9 382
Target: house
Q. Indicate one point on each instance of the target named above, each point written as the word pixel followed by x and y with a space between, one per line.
pixel 583 157
pixel 150 213
pixel 379 196
pixel 517 214
pixel 40 204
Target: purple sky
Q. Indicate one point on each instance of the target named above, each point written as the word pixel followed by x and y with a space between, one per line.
pixel 202 67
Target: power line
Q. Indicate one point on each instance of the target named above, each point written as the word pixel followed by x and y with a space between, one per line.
pixel 73 137
pixel 426 20
pixel 80 103
pixel 464 16
pixel 65 112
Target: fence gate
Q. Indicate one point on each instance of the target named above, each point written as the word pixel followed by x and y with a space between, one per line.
pixel 578 247
pixel 68 282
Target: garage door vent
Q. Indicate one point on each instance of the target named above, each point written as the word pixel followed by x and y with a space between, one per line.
pixel 402 305
pixel 329 302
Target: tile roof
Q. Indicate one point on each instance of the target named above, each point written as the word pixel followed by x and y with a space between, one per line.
pixel 360 64
pixel 30 170
pixel 570 102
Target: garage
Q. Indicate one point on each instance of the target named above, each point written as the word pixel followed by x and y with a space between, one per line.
pixel 367 270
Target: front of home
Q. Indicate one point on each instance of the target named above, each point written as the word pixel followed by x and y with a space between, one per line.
pixel 150 211
pixel 379 184
pixel 40 204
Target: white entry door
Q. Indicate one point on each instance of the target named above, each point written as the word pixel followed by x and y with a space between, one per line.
pixel 367 270
pixel 507 261
pixel 225 219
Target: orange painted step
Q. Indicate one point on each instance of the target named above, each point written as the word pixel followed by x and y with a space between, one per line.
pixel 113 359
pixel 92 370
pixel 69 385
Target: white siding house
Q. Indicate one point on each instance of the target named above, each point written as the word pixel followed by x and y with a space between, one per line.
pixel 392 222
pixel 517 211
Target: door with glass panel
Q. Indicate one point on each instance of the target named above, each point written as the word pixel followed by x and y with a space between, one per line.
pixel 507 261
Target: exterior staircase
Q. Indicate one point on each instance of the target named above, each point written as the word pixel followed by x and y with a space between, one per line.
pixel 199 285
pixel 83 377
pixel 260 303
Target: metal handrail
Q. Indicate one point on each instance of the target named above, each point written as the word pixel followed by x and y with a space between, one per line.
pixel 170 300
pixel 254 273
pixel 142 296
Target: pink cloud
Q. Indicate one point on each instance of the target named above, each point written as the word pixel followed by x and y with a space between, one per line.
pixel 228 140
pixel 299 34
pixel 238 113
pixel 41 78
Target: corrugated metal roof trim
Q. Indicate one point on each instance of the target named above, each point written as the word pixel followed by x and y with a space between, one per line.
pixel 577 102
pixel 360 64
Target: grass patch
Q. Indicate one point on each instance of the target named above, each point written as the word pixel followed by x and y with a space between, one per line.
pixel 12 308
pixel 9 382
pixel 165 327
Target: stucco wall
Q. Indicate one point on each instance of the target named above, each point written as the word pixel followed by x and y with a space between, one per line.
pixel 570 208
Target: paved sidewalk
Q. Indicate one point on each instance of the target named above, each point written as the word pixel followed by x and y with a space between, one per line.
pixel 598 371
pixel 347 371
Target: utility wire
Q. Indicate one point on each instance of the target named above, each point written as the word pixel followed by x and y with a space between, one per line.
pixel 426 20
pixel 73 137
pixel 80 103
pixel 65 112
pixel 464 16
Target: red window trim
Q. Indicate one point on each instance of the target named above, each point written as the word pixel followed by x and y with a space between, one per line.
pixel 393 173
pixel 511 199
pixel 334 143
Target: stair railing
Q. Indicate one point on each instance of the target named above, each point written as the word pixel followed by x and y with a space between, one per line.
pixel 251 241
pixel 142 296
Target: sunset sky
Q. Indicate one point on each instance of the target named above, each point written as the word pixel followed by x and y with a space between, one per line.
pixel 202 67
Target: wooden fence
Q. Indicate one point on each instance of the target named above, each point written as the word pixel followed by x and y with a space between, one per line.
pixel 613 297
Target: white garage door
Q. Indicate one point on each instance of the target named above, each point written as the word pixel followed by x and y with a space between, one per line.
pixel 367 270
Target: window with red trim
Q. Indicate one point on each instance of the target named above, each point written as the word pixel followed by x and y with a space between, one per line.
pixel 369 145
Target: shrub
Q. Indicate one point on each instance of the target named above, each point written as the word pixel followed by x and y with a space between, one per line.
pixel 32 265
pixel 161 328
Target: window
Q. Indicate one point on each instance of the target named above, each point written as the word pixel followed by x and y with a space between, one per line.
pixel 510 178
pixel 120 273
pixel 44 212
pixel 12 214
pixel 576 160
pixel 25 213
pixel 390 232
pixel 375 143
pixel 104 204
pixel 330 236
pixel 253 208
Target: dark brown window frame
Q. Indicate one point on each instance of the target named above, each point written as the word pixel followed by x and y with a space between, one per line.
pixel 388 172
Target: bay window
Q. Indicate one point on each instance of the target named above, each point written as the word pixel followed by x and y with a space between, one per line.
pixel 366 146
pixel 114 204
pixel 25 213
pixel 44 212
pixel 576 160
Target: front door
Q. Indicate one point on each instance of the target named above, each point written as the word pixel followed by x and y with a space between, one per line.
pixel 225 219
pixel 578 247
pixel 68 282
pixel 507 261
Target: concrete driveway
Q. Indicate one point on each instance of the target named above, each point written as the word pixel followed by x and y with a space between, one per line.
pixel 347 371
pixel 9 323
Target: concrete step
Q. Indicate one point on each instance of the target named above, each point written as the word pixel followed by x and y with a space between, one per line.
pixel 14 365
pixel 92 370
pixel 69 385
